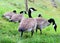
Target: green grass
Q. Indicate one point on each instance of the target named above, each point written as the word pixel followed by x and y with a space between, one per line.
pixel 9 30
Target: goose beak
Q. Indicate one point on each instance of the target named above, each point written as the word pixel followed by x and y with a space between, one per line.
pixel 34 9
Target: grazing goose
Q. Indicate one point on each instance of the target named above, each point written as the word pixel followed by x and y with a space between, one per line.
pixel 42 23
pixel 17 17
pixel 8 15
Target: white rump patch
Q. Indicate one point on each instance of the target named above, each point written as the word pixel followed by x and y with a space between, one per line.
pixel 7 17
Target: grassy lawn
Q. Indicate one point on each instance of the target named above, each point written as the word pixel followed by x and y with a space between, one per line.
pixel 9 30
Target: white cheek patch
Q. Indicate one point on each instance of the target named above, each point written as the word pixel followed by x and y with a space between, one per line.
pixel 31 10
pixel 7 17
pixel 54 25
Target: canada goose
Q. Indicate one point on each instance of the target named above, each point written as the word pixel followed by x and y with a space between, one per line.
pixel 17 17
pixel 42 23
pixel 8 15
pixel 28 24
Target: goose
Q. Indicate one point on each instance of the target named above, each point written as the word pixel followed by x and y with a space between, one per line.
pixel 28 24
pixel 8 15
pixel 18 17
pixel 42 23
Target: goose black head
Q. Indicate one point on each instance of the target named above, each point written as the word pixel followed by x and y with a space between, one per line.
pixel 14 11
pixel 23 12
pixel 32 9
pixel 39 15
pixel 55 26
pixel 51 20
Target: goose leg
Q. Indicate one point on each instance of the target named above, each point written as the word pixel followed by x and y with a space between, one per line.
pixel 40 31
pixel 32 31
pixel 36 30
pixel 21 34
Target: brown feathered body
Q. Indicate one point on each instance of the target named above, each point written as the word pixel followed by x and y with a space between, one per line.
pixel 8 15
pixel 28 24
pixel 17 17
pixel 42 23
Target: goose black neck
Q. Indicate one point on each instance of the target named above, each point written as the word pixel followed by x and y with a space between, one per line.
pixel 51 21
pixel 54 24
pixel 29 13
